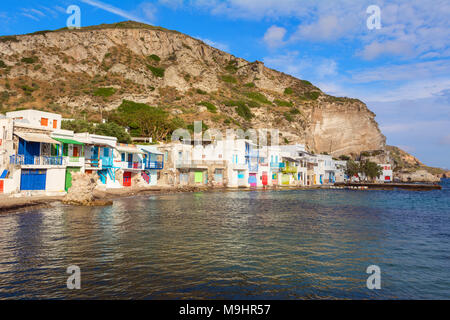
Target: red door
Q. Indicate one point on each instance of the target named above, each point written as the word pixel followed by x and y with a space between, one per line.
pixel 75 152
pixel 127 179
pixel 1 186
pixel 265 179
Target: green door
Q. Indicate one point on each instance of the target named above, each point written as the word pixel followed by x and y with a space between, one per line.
pixel 69 177
pixel 198 177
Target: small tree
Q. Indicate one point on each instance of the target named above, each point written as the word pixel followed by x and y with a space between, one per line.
pixel 352 169
pixel 112 129
pixel 371 169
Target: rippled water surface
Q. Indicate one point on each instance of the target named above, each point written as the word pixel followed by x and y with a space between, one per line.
pixel 305 244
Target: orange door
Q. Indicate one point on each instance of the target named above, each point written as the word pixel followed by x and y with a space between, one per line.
pixel 55 124
pixel 75 152
pixel 44 122
pixel 1 186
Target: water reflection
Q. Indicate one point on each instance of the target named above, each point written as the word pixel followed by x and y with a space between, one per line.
pixel 268 244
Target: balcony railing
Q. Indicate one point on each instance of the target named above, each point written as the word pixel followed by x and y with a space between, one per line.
pixel 289 169
pixel 107 162
pixel 133 165
pixel 19 159
pixel 93 164
pixel 277 165
pixel 155 165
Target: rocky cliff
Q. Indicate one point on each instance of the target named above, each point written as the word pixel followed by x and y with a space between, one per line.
pixel 85 73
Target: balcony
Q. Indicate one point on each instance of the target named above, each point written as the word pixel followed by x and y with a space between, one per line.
pixel 289 169
pixel 276 165
pixel 154 165
pixel 107 162
pixel 19 159
pixel 74 161
pixel 135 165
pixel 93 164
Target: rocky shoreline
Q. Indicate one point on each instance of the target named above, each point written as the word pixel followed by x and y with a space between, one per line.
pixel 107 197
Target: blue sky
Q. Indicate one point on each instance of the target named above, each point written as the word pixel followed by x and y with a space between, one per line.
pixel 402 71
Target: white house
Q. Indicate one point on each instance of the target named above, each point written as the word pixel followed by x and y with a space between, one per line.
pixel 41 119
pixel 153 163
pixel 387 175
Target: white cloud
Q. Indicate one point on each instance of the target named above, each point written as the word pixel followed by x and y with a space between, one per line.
pixel 395 47
pixel 303 67
pixel 30 16
pixel 274 36
pixel 174 4
pixel 326 28
pixel 39 13
pixel 406 72
pixel 215 44
pixel 122 13
pixel 409 27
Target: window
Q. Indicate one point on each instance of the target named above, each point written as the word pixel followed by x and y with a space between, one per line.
pixel 44 122
pixel 166 156
pixel 180 155
pixel 123 157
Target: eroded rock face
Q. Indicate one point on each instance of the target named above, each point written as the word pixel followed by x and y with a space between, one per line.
pixel 344 129
pixel 82 190
pixel 70 65
pixel 417 176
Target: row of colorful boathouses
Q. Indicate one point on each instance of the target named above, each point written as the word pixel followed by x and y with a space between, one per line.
pixel 37 156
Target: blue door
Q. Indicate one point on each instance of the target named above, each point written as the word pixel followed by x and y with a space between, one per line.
pixel 33 179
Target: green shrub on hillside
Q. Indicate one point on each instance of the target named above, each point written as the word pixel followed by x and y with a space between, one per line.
pixel 104 92
pixel 232 66
pixel 106 129
pixel 211 108
pixel 288 116
pixel 154 57
pixel 288 91
pixel 146 121
pixel 29 60
pixel 2 64
pixel 157 72
pixel 9 38
pixel 257 97
pixel 283 103
pixel 250 85
pixel 313 95
pixel 306 82
pixel 244 112
pixel 200 91
pixel 229 79
pixel 241 108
